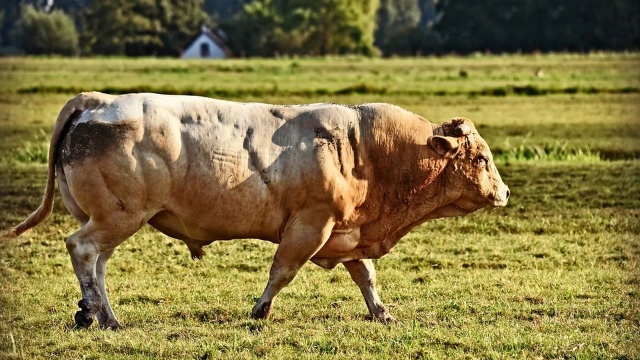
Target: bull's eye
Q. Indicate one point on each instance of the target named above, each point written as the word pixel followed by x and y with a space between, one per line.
pixel 482 161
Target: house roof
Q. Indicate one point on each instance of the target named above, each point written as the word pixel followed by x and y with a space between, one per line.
pixel 205 31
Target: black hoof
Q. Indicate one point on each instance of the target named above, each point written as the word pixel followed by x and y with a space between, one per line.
pixel 262 312
pixel 112 325
pixel 82 320
pixel 84 305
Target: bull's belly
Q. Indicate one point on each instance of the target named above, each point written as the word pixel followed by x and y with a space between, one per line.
pixel 340 243
pixel 216 201
pixel 215 224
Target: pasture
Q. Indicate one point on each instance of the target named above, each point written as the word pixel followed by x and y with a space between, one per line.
pixel 555 274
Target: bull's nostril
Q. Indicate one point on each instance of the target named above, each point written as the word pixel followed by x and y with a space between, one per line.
pixel 508 193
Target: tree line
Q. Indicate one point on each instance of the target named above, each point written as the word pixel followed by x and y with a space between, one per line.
pixel 318 27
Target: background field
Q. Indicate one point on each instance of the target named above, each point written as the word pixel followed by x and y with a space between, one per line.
pixel 555 274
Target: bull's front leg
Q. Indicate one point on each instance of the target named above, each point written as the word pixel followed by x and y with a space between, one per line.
pixel 305 233
pixel 363 274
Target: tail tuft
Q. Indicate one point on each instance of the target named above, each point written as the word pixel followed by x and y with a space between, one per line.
pixel 10 234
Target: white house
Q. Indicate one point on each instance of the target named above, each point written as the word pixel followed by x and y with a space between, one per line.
pixel 206 45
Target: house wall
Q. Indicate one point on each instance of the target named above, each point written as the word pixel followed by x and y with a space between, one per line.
pixel 193 51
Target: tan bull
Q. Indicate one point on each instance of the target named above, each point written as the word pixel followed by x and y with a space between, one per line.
pixel 328 183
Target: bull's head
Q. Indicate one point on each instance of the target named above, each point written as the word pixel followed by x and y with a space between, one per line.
pixel 472 180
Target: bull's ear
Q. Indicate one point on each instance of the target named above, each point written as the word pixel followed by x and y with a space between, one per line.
pixel 443 145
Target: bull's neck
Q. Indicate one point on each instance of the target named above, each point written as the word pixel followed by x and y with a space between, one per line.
pixel 405 208
pixel 405 184
pixel 401 160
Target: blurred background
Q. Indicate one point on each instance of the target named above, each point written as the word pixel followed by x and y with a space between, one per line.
pixel 244 28
pixel 552 86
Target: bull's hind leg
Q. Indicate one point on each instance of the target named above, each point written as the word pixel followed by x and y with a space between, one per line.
pixel 89 248
pixel 363 274
pixel 303 236
pixel 106 316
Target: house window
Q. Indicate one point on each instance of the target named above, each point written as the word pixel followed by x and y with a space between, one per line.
pixel 204 50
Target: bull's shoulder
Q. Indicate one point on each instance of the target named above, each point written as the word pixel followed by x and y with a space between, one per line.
pixel 317 113
pixel 388 113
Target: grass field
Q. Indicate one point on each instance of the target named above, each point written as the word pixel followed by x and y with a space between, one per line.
pixel 555 274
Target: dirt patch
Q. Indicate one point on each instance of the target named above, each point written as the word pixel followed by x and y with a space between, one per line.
pixel 92 139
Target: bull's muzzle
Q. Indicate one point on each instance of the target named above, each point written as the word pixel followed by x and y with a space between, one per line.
pixel 500 197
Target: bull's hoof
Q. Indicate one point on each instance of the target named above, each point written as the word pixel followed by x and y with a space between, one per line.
pixel 381 315
pixel 384 318
pixel 107 323
pixel 111 325
pixel 261 311
pixel 83 320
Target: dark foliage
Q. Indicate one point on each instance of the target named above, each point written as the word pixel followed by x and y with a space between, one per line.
pixel 321 27
pixel 141 27
pixel 544 25
pixel 41 33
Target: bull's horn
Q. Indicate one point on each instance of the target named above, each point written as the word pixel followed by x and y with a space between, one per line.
pixel 462 130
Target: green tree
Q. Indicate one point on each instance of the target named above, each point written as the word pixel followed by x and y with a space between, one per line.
pixel 11 11
pixel 405 27
pixel 332 26
pixel 251 32
pixel 589 24
pixel 141 27
pixel 224 9
pixel 321 27
pixel 547 25
pixel 46 33
pixel 180 21
pixel 1 21
pixel 105 29
pixel 395 17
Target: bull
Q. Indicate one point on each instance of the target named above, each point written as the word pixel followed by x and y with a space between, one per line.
pixel 328 183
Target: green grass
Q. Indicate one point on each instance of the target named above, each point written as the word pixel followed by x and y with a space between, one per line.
pixel 555 274
pixel 291 76
pixel 548 152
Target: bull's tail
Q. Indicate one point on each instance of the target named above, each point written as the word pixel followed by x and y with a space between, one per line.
pixel 77 104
